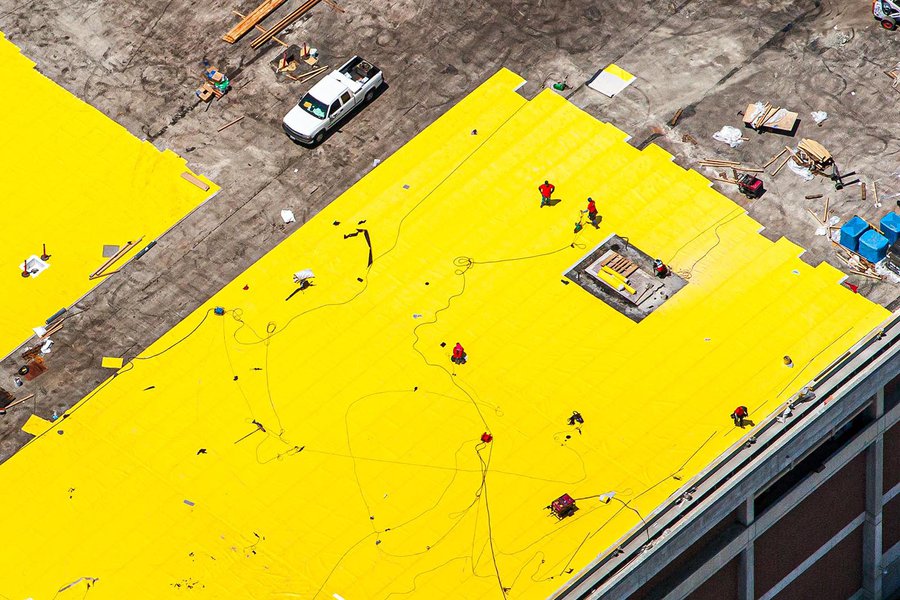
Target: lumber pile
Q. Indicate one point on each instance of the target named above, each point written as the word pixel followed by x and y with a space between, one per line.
pixel 810 154
pixel 258 28
pixel 251 20
pixel 282 24
pixel 813 155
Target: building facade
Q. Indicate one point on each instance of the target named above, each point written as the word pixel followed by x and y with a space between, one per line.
pixel 806 506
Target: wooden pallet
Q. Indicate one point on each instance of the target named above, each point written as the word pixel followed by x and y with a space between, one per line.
pixel 619 264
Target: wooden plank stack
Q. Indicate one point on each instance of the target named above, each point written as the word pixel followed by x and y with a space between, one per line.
pixel 250 21
pixel 283 23
pixel 813 155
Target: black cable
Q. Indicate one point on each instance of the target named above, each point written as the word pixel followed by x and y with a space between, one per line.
pixel 415 586
pixel 80 404
pixel 271 327
pixel 237 315
pixel 739 211
pixel 231 365
pixel 338 563
pixel 574 554
pixel 189 334
pixel 350 448
pixel 446 177
pixel 442 367
pixel 467 262
pixel 487 510
pixel 391 248
pixel 625 504
pixel 809 362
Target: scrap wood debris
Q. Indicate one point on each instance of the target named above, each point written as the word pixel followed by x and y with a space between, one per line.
pixel 308 76
pixel 827 223
pixel 809 154
pixel 674 120
pixel 895 75
pixel 720 167
pixel 299 60
pixel 230 123
pixel 856 263
pixel 215 84
pixel 8 401
pixel 714 163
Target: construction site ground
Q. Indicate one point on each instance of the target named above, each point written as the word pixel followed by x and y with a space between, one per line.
pixel 140 62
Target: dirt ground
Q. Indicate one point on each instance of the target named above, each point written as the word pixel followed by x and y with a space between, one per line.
pixel 139 62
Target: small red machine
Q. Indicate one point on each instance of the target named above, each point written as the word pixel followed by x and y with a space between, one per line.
pixel 750 186
pixel 563 506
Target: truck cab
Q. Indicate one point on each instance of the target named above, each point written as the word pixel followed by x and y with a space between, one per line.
pixel 333 98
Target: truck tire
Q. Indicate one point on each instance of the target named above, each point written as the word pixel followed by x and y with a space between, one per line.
pixel 889 23
pixel 320 137
pixel 369 95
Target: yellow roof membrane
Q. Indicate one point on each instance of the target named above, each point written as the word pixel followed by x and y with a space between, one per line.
pixel 73 180
pixel 322 445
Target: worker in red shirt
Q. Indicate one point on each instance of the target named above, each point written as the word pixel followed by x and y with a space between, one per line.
pixel 459 354
pixel 546 189
pixel 592 212
pixel 739 414
pixel 660 268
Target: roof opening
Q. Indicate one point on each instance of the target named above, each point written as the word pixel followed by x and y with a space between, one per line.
pixel 625 278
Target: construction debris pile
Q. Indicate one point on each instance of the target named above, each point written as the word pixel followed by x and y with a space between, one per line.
pixel 767 117
pixel 215 84
pixel 813 156
pixel 865 250
pixel 298 63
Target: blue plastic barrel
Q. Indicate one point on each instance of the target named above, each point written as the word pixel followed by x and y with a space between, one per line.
pixel 851 232
pixel 873 246
pixel 890 226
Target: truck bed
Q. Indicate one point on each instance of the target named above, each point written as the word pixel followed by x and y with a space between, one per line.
pixel 359 70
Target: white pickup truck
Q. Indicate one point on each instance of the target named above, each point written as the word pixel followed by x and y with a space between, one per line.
pixel 332 99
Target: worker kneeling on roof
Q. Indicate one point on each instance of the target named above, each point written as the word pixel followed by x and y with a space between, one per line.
pixel 660 268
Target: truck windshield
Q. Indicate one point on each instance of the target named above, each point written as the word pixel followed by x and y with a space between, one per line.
pixel 313 106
